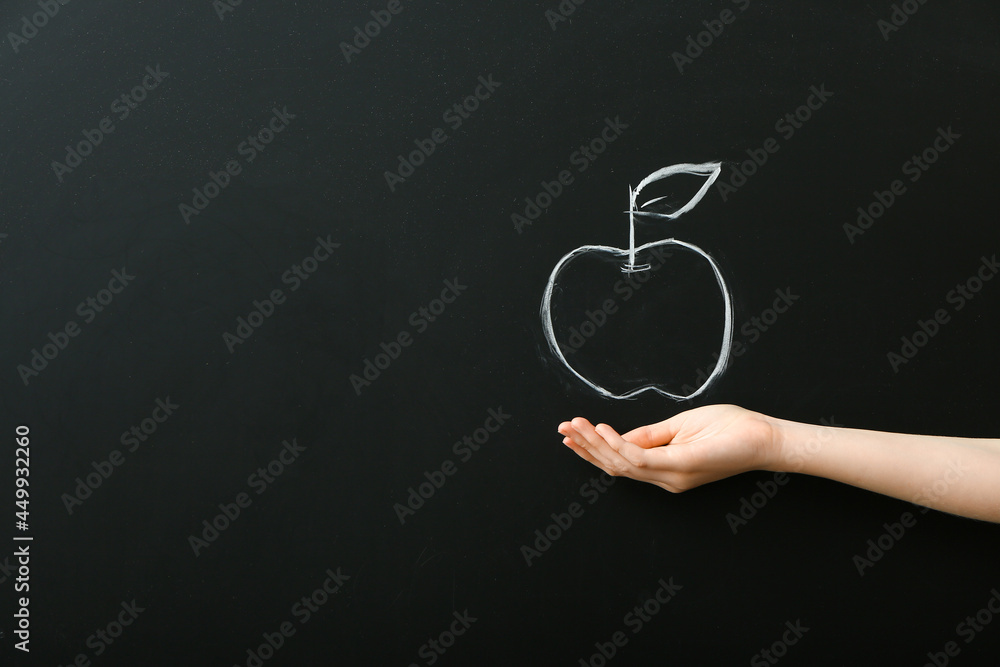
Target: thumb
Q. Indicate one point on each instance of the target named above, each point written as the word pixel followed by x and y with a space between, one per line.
pixel 655 435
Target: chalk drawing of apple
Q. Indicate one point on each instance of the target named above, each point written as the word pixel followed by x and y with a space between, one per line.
pixel 632 256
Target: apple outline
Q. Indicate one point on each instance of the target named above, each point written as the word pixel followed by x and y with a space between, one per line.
pixel 712 171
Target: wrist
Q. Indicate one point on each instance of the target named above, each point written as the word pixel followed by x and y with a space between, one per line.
pixel 769 436
pixel 795 446
pixel 775 457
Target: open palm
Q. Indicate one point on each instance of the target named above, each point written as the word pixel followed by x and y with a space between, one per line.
pixel 689 449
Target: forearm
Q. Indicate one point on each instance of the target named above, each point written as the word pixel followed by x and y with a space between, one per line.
pixel 956 475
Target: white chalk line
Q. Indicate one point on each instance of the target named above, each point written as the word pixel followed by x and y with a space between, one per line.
pixel 712 170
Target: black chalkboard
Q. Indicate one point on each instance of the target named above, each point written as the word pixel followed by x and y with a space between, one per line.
pixel 272 279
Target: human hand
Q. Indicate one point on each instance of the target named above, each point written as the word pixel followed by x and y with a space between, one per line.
pixel 689 449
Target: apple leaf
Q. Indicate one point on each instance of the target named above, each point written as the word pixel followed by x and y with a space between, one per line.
pixel 710 170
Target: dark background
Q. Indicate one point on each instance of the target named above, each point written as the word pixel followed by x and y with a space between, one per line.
pixel 826 358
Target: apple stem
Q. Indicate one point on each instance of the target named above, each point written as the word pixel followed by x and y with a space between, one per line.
pixel 631 228
pixel 631 267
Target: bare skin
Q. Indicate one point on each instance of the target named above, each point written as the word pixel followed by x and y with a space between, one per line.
pixel 956 475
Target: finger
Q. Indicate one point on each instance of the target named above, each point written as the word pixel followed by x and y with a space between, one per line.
pixel 580 445
pixel 655 435
pixel 614 462
pixel 586 437
pixel 657 467
pixel 663 479
pixel 576 442
pixel 635 455
pixel 582 453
